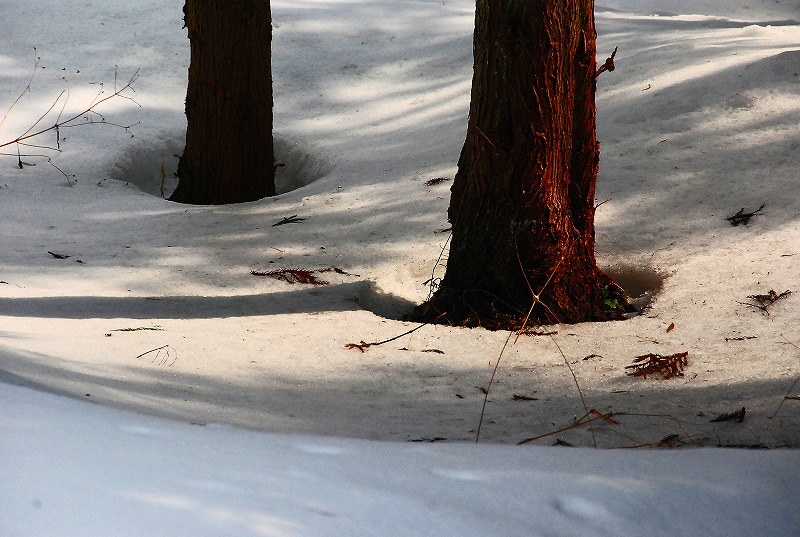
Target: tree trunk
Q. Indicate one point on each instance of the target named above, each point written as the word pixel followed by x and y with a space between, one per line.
pixel 229 155
pixel 522 203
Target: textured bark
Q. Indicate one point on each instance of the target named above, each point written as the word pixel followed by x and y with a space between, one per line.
pixel 522 203
pixel 229 155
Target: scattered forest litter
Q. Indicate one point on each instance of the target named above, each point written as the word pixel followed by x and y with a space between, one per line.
pixel 300 275
pixel 656 364
pixel 743 217
pixel 763 302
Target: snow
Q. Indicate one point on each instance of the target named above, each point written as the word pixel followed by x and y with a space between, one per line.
pixel 254 418
pixel 92 470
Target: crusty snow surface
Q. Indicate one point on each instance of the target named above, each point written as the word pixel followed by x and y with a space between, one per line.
pixel 273 426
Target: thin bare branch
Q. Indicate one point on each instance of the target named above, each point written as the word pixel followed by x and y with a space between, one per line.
pixel 82 118
pixel 27 89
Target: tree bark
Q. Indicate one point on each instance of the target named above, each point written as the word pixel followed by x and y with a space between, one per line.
pixel 229 155
pixel 522 204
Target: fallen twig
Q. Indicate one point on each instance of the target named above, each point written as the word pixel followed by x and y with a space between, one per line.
pixel 162 358
pixel 730 416
pixel 742 217
pixel 363 345
pixel 765 301
pixel 288 220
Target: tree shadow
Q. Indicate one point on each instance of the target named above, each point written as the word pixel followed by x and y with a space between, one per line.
pixel 427 400
pixel 338 297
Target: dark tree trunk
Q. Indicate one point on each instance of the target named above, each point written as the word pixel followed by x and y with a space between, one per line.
pixel 229 155
pixel 522 204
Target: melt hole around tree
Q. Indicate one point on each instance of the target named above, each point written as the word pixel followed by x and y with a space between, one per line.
pixel 151 166
pixel 642 284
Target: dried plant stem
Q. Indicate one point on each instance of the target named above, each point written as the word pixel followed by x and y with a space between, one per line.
pixel 588 418
pixel 578 386
pixel 789 391
pixel 36 59
pixel 536 299
pixel 491 380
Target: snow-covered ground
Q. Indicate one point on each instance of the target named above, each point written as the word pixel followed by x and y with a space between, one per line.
pixel 700 119
pixel 73 469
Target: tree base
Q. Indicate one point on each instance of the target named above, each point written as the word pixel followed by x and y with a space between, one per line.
pixel 473 309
